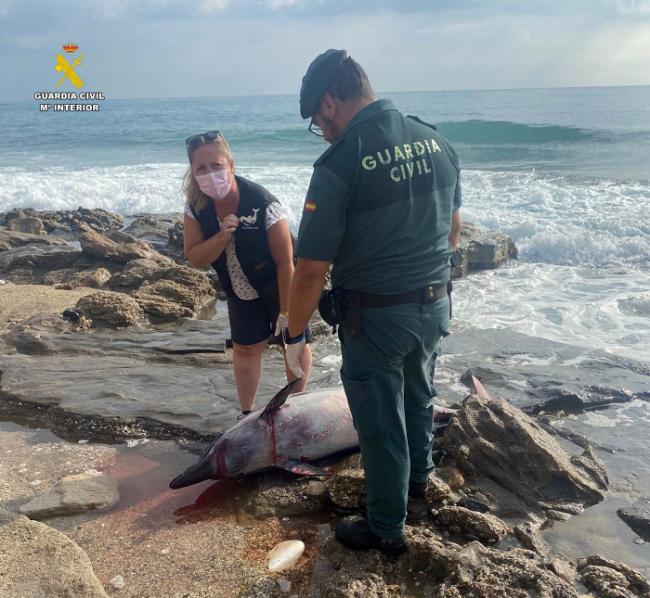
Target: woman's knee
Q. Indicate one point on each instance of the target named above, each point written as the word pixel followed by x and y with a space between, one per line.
pixel 248 350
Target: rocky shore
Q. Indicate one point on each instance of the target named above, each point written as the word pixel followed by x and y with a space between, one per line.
pixel 107 336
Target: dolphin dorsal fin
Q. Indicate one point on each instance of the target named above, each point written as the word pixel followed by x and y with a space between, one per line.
pixel 279 399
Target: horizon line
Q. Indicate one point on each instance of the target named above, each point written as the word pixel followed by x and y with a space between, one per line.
pixel 277 95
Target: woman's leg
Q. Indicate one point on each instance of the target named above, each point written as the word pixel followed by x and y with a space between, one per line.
pixel 305 365
pixel 247 363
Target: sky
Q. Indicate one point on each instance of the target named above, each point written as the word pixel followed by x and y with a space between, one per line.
pixel 189 48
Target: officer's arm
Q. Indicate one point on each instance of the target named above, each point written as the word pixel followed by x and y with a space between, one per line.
pixel 454 235
pixel 201 252
pixel 306 286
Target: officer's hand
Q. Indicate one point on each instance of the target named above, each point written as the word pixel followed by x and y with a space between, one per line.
pixel 292 355
pixel 229 225
pixel 281 324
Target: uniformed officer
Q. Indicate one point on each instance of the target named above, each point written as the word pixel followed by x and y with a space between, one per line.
pixel 382 206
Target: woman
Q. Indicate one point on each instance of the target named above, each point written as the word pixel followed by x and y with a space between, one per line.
pixel 238 227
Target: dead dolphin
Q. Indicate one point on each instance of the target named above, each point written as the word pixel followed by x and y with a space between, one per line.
pixel 287 434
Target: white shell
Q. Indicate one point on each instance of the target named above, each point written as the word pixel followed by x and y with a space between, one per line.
pixel 285 555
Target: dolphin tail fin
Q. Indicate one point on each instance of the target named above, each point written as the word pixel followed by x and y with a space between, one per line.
pixel 279 399
pixel 474 384
pixel 203 470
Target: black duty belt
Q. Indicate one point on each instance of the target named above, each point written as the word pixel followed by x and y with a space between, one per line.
pixel 428 294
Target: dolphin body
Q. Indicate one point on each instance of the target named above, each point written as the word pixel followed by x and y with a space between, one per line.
pixel 287 434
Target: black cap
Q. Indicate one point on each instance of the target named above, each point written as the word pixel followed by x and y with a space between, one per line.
pixel 318 78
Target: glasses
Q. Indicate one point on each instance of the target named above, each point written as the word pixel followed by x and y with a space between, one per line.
pixel 207 137
pixel 315 129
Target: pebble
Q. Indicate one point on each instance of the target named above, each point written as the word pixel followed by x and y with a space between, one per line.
pixel 83 441
pixel 35 483
pixel 117 582
pixel 164 551
pixel 284 585
pixel 639 541
pixel 285 555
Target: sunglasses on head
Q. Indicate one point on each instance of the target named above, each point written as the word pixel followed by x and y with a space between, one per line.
pixel 201 138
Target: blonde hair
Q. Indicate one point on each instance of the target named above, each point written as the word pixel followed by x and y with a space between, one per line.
pixel 195 197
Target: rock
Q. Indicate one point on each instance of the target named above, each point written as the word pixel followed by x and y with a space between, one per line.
pixel 35 259
pixel 502 443
pixel 485 249
pixel 175 236
pixel 482 526
pixel 637 516
pixel 71 278
pixel 273 498
pixel 437 489
pixel 70 223
pixel 167 300
pixel 562 568
pixel 36 560
pixel 138 272
pixel 347 489
pixel 452 476
pixel 439 569
pixel 74 494
pixel 9 239
pixel 99 246
pixel 117 582
pixel 112 309
pixel 122 396
pixel 528 535
pixel 153 227
pixel 30 342
pixel 27 224
pixel 285 555
pixel 611 579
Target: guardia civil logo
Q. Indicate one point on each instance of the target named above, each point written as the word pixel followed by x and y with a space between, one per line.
pixel 68 75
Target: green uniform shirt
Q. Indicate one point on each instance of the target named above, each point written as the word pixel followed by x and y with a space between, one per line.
pixel 379 204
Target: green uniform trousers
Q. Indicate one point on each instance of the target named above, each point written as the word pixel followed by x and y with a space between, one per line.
pixel 387 374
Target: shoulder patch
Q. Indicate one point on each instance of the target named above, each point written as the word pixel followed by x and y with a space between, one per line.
pixel 310 206
pixel 419 120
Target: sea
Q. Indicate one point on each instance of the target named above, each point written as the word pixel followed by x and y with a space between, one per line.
pixel 564 172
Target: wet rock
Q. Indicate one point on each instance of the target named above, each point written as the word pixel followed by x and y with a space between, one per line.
pixel 500 442
pixel 485 249
pixel 110 308
pixel 562 568
pixel 27 224
pixel 528 535
pixel 74 494
pixel 637 516
pixel 347 489
pixel 153 227
pixel 482 526
pixel 175 235
pixel 9 239
pixel 611 579
pixel 99 246
pixel 37 560
pixel 30 342
pixel 122 396
pixel 27 261
pixel 167 300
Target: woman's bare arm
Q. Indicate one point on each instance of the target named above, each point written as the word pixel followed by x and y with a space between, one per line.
pixel 281 249
pixel 202 252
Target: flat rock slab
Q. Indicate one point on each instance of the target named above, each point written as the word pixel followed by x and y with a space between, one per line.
pixel 74 494
pixel 637 516
pixel 97 396
pixel 36 561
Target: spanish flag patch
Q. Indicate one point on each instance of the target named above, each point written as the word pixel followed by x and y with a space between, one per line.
pixel 310 206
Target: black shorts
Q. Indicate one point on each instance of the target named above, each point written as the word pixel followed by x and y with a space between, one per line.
pixel 252 322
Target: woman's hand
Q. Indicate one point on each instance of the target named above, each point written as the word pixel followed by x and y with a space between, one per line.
pixel 228 226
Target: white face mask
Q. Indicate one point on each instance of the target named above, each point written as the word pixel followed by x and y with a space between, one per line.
pixel 215 184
